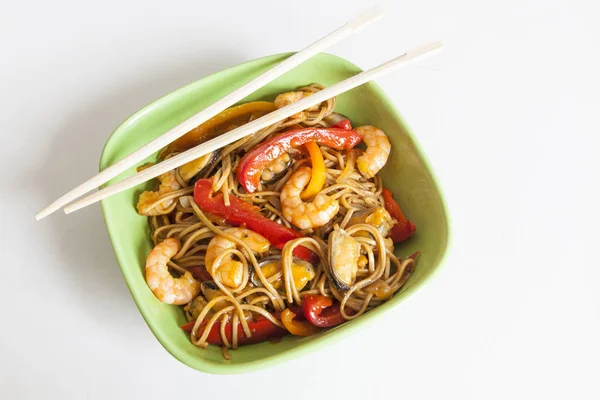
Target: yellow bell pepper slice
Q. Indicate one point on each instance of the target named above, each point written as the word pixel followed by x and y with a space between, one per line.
pixel 222 122
pixel 317 180
pixel 298 328
pixel 300 274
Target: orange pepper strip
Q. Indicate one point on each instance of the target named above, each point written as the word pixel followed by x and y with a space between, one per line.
pixel 237 115
pixel 298 328
pixel 317 180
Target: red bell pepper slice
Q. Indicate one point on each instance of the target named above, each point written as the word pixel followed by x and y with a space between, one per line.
pixel 254 162
pixel 403 229
pixel 261 328
pixel 242 213
pixel 343 124
pixel 321 311
pixel 201 274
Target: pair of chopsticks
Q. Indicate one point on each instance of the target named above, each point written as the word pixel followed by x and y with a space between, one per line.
pixel 174 162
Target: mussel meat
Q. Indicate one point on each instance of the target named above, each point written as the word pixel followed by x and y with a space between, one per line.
pixel 210 290
pixel 276 168
pixel 193 170
pixel 343 254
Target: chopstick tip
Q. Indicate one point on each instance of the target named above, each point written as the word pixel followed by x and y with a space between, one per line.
pixel 41 215
pixel 366 17
pixel 428 48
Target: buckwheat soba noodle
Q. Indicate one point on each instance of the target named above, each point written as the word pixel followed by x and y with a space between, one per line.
pixel 288 230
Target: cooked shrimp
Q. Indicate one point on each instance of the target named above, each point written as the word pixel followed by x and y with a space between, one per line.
pixel 227 270
pixel 377 153
pixel 306 215
pixel 285 99
pixel 165 287
pixel 147 202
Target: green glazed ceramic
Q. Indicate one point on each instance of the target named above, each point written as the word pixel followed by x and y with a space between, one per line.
pixel 406 174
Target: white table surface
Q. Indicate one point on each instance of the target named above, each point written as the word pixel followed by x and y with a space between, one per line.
pixel 508 115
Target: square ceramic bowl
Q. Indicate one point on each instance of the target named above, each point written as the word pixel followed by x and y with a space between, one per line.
pixel 406 174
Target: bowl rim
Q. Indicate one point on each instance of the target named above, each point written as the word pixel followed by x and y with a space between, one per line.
pixel 326 337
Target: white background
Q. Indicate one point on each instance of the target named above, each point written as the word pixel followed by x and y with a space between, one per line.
pixel 507 114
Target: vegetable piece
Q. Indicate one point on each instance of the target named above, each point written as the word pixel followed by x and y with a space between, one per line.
pixel 321 311
pixel 261 328
pixel 343 124
pixel 298 328
pixel 302 272
pixel 334 120
pixel 349 168
pixel 222 122
pixel 201 274
pixel 381 289
pixel 317 180
pixel 403 228
pixel 241 213
pixel 252 164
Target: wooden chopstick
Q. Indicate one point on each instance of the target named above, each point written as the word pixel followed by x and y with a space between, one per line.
pixel 251 127
pixel 131 160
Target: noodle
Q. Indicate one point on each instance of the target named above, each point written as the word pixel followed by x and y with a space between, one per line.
pixel 378 277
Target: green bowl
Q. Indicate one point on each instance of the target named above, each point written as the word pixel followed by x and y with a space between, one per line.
pixel 406 174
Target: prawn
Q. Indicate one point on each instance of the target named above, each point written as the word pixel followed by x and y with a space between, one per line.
pixel 165 287
pixel 147 202
pixel 285 99
pixel 224 268
pixel 306 215
pixel 377 153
